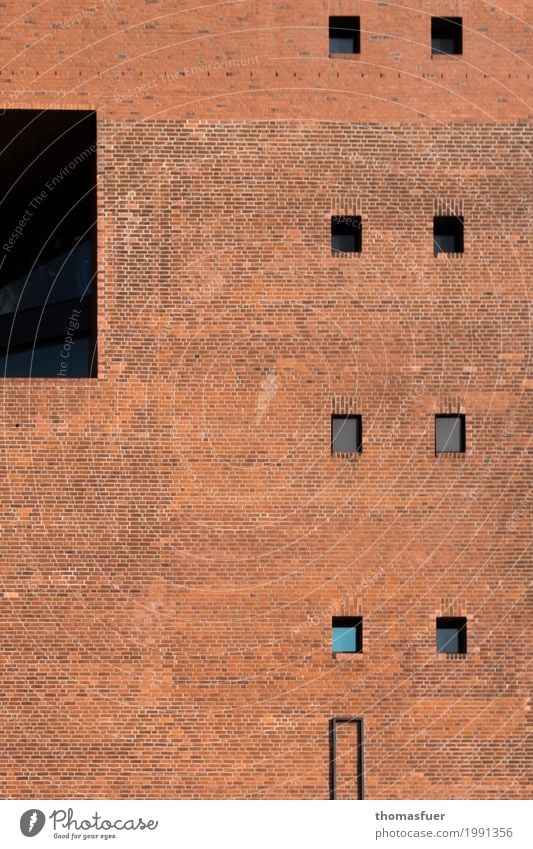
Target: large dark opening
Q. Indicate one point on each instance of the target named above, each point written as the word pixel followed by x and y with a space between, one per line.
pixel 447 36
pixel 48 244
pixel 346 434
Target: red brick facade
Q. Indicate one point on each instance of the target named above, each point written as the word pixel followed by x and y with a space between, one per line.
pixel 176 535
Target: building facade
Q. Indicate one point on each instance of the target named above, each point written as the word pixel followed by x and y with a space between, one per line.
pixel 202 574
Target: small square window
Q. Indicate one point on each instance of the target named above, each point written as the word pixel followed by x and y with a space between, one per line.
pixel 447 36
pixel 451 635
pixel 346 234
pixel 344 35
pixel 346 634
pixel 450 434
pixel 346 434
pixel 448 234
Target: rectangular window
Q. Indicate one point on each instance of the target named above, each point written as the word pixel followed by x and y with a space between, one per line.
pixel 346 758
pixel 450 434
pixel 447 36
pixel 346 434
pixel 346 634
pixel 346 234
pixel 448 234
pixel 48 273
pixel 451 635
pixel 344 35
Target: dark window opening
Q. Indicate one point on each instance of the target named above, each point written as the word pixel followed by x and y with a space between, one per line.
pixel 48 240
pixel 346 434
pixel 346 764
pixel 448 234
pixel 344 35
pixel 447 36
pixel 451 635
pixel 346 634
pixel 450 434
pixel 346 234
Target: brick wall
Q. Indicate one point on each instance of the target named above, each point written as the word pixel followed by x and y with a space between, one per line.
pixel 176 535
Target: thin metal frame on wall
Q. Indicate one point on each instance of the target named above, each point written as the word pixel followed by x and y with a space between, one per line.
pixel 345 720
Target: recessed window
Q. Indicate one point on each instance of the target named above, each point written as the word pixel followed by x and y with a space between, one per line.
pixel 47 273
pixel 346 778
pixel 344 35
pixel 448 234
pixel 346 634
pixel 447 36
pixel 346 234
pixel 450 436
pixel 346 434
pixel 451 635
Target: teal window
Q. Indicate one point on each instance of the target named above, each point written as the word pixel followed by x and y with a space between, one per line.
pixel 49 222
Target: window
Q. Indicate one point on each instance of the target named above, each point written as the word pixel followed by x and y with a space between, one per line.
pixel 451 635
pixel 346 234
pixel 447 36
pixel 346 768
pixel 47 275
pixel 346 634
pixel 450 436
pixel 448 234
pixel 346 434
pixel 344 35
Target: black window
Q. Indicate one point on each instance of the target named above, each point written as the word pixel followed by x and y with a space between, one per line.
pixel 344 35
pixel 346 434
pixel 448 234
pixel 346 634
pixel 346 234
pixel 447 36
pixel 48 240
pixel 450 436
pixel 451 635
